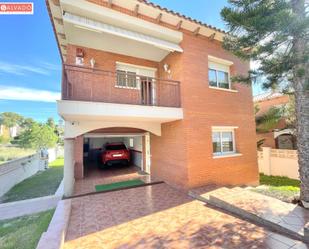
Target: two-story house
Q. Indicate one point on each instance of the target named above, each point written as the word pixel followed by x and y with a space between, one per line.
pixel 159 81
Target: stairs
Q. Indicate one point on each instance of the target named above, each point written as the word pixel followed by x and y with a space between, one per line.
pixel 278 216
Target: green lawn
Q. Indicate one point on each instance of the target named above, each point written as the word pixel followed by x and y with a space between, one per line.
pixel 283 188
pixel 8 153
pixel 41 184
pixel 24 232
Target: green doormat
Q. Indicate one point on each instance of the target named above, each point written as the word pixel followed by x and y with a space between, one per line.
pixel 116 185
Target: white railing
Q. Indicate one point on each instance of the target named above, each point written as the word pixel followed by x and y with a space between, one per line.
pixel 278 162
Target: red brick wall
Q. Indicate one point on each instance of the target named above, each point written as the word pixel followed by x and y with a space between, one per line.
pixel 169 156
pixel 269 139
pixel 100 86
pixel 205 107
pixel 183 154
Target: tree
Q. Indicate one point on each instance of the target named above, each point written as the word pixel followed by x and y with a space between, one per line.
pixel 26 123
pixel 36 137
pixel 51 123
pixel 269 120
pixel 10 119
pixel 275 34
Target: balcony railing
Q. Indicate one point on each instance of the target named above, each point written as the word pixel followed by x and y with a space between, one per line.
pixel 88 84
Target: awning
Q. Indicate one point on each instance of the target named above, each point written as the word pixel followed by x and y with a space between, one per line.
pixel 100 27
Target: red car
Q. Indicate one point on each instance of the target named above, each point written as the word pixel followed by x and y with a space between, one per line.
pixel 115 153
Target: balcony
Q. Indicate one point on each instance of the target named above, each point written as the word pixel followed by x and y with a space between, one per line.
pixel 94 99
pixel 97 85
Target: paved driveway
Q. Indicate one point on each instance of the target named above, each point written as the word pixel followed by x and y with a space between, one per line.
pixel 159 216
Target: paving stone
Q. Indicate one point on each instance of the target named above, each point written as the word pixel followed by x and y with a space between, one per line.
pixel 260 208
pixel 159 216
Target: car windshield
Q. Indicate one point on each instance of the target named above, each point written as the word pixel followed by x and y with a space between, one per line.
pixel 116 147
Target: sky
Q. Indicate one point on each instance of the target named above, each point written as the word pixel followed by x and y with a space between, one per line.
pixel 30 64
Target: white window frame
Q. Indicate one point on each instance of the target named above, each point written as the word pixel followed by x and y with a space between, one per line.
pixel 131 142
pixel 228 78
pixel 221 129
pixel 218 64
pixel 126 79
pixel 139 70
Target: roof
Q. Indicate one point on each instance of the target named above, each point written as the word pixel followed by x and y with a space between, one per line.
pixel 266 96
pixel 181 15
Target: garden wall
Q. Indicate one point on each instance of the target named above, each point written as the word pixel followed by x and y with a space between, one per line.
pixel 17 170
pixel 278 162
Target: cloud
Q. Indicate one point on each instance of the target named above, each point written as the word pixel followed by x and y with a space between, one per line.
pixel 51 66
pixel 18 69
pixel 20 93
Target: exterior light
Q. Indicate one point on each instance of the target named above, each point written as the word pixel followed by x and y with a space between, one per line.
pixel 92 62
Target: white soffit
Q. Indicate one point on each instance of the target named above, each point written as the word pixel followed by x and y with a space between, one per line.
pixel 98 111
pixel 119 19
pixel 220 61
pixel 86 23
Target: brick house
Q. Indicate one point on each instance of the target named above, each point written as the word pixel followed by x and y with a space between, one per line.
pixel 281 137
pixel 158 81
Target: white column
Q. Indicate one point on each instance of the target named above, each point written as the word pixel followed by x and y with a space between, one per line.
pixel 68 174
pixel 147 152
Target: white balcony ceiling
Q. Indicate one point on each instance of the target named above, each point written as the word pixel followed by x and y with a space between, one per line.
pixel 88 25
pixel 83 116
pixel 109 14
pixel 86 32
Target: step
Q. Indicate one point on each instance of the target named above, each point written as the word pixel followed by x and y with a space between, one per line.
pixel 285 218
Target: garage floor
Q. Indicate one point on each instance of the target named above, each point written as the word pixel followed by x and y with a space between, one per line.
pixel 95 176
pixel 159 216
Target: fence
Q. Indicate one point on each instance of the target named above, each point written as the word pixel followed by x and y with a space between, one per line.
pixel 15 171
pixel 278 162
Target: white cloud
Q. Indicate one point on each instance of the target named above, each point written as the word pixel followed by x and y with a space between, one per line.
pixel 17 69
pixel 20 93
pixel 51 66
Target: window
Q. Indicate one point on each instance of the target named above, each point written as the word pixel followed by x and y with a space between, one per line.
pixel 126 79
pixel 129 75
pixel 223 141
pixel 218 78
pixel 212 77
pixel 131 141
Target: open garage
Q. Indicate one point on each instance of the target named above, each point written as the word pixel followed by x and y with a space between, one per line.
pixel 96 144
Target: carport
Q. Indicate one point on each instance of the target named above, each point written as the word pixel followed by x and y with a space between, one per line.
pixel 94 143
pixel 88 170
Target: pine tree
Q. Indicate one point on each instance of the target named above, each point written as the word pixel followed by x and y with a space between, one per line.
pixel 275 34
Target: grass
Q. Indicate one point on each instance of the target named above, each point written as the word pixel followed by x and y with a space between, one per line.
pixel 8 153
pixel 41 184
pixel 117 185
pixel 24 232
pixel 278 181
pixel 279 187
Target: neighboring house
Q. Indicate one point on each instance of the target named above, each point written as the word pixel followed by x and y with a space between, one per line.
pixel 10 132
pixel 159 82
pixel 281 137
